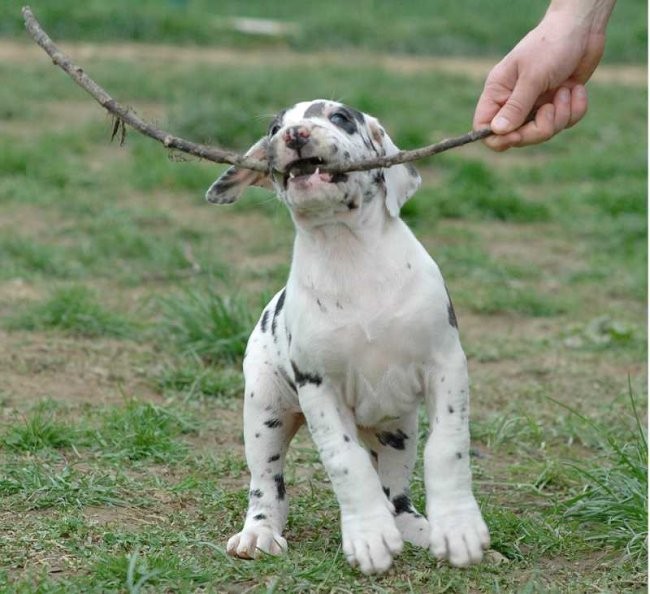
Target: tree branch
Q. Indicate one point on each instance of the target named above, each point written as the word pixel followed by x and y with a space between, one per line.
pixel 124 115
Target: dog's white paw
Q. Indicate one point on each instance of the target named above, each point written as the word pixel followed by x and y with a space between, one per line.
pixel 252 542
pixel 458 532
pixel 370 542
pixel 414 529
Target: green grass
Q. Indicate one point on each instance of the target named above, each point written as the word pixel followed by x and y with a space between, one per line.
pixel 142 430
pixel 614 498
pixel 73 310
pixel 208 325
pixel 38 431
pixel 126 302
pixel 41 485
pixel 463 27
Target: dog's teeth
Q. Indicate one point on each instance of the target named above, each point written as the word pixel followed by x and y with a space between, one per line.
pixel 292 174
pixel 317 171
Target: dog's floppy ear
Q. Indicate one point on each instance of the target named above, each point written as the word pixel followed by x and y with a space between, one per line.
pixel 401 181
pixel 232 183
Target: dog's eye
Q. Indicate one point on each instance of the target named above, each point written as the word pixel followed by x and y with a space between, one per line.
pixel 343 120
pixel 274 129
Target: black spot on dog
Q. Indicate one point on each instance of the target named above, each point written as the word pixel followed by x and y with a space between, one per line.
pixel 451 314
pixel 303 378
pixel 285 376
pixel 413 172
pixel 344 117
pixel 315 110
pixel 320 305
pixel 459 455
pixel 347 155
pixel 357 115
pixel 386 492
pixel 272 423
pixel 276 123
pixel 338 305
pixel 450 408
pixel 259 517
pixel 408 265
pixel 374 455
pixel 252 394
pixel 278 309
pixel 346 438
pixel 257 435
pixel 265 319
pixel 256 493
pixel 274 458
pixel 402 504
pixel 279 485
pixel 338 178
pixel 394 440
pixel 351 204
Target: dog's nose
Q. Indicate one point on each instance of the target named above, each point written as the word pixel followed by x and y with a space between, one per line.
pixel 296 137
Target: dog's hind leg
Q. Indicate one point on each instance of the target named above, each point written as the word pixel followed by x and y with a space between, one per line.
pixel 394 449
pixel 269 425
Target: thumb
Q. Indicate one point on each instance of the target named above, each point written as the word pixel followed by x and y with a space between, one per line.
pixel 516 109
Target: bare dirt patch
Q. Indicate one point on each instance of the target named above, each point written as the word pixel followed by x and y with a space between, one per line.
pixel 475 68
pixel 35 366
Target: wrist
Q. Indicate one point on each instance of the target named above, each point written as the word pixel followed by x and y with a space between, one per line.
pixel 589 14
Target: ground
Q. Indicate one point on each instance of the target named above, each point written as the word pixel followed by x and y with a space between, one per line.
pixel 125 301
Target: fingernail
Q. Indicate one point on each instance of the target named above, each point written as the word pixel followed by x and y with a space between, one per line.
pixel 564 95
pixel 500 124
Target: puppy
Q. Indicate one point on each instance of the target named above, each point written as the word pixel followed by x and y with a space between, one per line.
pixel 363 332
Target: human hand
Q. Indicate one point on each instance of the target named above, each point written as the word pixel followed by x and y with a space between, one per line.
pixel 546 71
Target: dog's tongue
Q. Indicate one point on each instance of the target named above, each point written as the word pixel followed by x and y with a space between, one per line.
pixel 318 176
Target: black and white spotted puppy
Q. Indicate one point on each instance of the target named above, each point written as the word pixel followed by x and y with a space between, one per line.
pixel 363 332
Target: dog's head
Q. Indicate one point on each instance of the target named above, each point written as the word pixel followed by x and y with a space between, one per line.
pixel 313 134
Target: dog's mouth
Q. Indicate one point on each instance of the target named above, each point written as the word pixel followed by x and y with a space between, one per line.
pixel 308 171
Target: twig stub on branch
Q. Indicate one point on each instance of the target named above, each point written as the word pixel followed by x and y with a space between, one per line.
pixel 124 116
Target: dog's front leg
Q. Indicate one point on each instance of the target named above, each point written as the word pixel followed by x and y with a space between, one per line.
pixel 370 536
pixel 458 532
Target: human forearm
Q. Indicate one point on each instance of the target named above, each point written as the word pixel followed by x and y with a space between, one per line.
pixel 593 14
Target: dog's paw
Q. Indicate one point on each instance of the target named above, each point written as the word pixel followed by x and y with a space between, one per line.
pixel 371 542
pixel 252 542
pixel 414 528
pixel 458 532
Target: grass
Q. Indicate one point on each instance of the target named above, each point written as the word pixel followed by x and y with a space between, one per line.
pixel 208 325
pixel 415 28
pixel 74 310
pixel 126 303
pixel 142 430
pixel 614 497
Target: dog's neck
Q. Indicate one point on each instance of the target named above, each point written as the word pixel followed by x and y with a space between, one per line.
pixel 340 258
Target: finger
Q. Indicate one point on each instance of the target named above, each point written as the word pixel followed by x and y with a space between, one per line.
pixel 579 104
pixel 498 87
pixel 486 108
pixel 541 128
pixel 562 104
pixel 520 103
pixel 502 143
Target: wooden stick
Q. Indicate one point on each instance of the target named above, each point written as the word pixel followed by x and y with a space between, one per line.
pixel 127 116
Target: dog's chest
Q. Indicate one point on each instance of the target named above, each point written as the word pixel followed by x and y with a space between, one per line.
pixel 372 347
